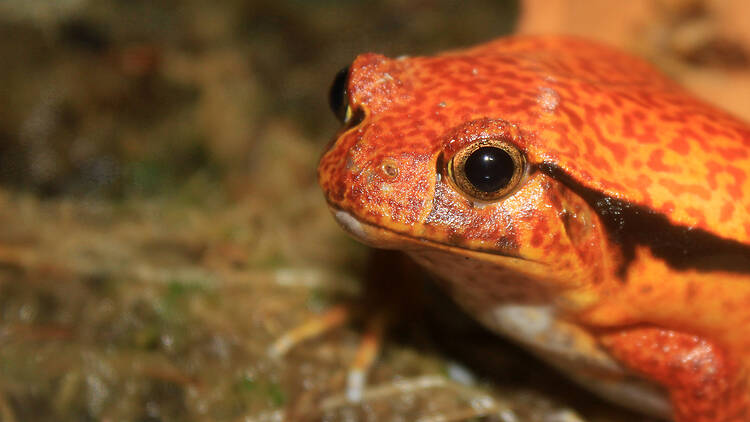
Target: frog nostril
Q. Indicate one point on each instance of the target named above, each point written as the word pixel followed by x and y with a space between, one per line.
pixel 389 168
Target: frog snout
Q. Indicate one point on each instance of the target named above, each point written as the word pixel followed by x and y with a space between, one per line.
pixel 363 175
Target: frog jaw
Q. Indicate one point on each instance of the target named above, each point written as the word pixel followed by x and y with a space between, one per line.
pixel 383 238
pixel 511 276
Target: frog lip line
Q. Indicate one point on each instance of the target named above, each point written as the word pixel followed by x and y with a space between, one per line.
pixel 363 231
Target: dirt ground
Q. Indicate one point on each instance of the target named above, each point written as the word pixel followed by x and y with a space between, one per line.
pixel 161 226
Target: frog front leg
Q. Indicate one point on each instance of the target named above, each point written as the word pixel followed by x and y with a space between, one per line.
pixel 704 383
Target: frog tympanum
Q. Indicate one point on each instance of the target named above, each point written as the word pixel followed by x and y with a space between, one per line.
pixel 570 197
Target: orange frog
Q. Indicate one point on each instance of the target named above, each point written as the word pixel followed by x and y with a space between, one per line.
pixel 569 197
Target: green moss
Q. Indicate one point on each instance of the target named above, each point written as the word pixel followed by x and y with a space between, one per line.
pixel 260 389
pixel 247 384
pixel 276 395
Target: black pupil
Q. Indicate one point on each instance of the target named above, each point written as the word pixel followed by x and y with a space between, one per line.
pixel 489 169
pixel 338 97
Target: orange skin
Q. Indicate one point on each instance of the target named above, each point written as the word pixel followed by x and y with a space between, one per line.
pixel 630 227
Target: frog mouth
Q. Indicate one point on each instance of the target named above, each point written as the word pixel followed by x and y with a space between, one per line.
pixel 383 238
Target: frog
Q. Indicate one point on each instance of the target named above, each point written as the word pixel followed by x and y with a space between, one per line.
pixel 570 197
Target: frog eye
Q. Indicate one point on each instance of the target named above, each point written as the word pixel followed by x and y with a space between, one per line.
pixel 338 100
pixel 487 170
pixel 338 97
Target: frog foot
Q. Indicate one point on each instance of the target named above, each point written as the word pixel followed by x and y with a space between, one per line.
pixel 391 287
pixel 312 328
pixel 367 351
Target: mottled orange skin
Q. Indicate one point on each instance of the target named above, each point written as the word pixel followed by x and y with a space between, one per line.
pixel 600 130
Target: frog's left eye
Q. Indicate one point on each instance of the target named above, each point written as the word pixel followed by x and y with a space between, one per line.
pixel 487 170
pixel 338 97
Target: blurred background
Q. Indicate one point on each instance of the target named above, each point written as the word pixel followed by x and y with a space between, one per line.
pixel 160 223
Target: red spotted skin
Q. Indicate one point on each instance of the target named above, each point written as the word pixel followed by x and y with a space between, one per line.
pixel 601 132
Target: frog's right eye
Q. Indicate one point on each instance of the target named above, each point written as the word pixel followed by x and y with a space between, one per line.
pixel 338 97
pixel 487 170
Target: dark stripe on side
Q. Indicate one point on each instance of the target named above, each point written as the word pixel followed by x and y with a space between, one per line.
pixel 680 247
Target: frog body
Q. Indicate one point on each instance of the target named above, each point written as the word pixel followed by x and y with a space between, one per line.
pixel 570 197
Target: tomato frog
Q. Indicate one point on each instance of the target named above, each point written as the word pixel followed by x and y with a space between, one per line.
pixel 569 197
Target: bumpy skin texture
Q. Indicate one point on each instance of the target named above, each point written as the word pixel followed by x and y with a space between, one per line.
pixel 631 225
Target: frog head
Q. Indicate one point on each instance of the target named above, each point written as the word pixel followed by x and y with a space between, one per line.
pixel 427 164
